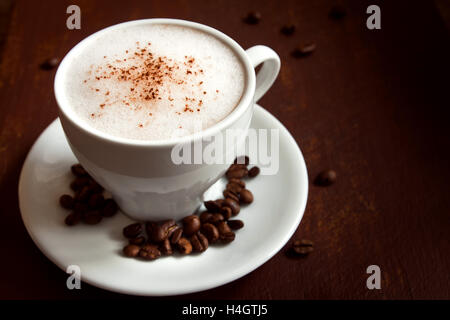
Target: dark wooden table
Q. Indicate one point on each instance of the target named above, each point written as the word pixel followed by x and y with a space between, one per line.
pixel 370 104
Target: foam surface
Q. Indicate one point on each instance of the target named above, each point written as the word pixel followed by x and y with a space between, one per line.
pixel 153 82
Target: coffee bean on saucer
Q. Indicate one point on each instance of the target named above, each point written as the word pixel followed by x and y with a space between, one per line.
pixel 211 232
pixel 49 63
pixel 83 194
pixel 252 17
pixel 109 208
pixel 227 237
pixel 176 236
pixel 226 212
pixel 212 206
pixel 236 171
pixel 131 250
pixel 80 207
pixel 325 178
pixel 223 227
pixel 337 12
pixel 239 182
pixel 95 187
pixel 288 29
pixel 155 233
pixel 205 217
pixel 184 246
pixel 253 172
pixel 66 201
pixel 73 218
pixel 234 205
pixel 302 247
pixel 245 160
pixel 92 217
pixel 79 183
pixel 197 245
pixel 96 201
pixel 165 248
pixel 132 231
pixel 230 195
pixel 137 241
pixel 79 171
pixel 191 224
pixel 216 217
pixel 235 224
pixel 246 196
pixel 304 50
pixel 149 252
pixel 234 187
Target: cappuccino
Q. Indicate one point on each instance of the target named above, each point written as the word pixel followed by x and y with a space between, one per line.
pixel 154 82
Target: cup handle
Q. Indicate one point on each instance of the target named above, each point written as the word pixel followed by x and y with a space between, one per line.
pixel 269 71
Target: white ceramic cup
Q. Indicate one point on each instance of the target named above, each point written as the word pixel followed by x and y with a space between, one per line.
pixel 141 176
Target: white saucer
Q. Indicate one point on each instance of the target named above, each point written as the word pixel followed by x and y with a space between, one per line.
pixel 269 223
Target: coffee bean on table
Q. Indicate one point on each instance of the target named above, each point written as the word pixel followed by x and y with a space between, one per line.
pixel 96 201
pixel 226 212
pixel 137 241
pixel 149 252
pixel 288 29
pixel 66 201
pixel 302 247
pixel 246 196
pixel 325 178
pixel 184 246
pixel 230 195
pixel 165 248
pixel 211 232
pixel 304 50
pixel 176 236
pixel 92 217
pixel 155 233
pixel 253 172
pixel 79 171
pixel 235 224
pixel 73 218
pixel 245 160
pixel 131 250
pixel 191 224
pixel 133 230
pixel 109 208
pixel 49 64
pixel 252 17
pixel 212 206
pixel 197 244
pixel 234 205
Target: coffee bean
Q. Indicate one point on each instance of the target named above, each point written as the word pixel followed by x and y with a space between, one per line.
pixel 230 195
pixel 155 233
pixel 109 209
pixel 227 237
pixel 235 224
pixel 79 183
pixel 205 216
pixel 246 196
pixel 165 248
pixel 252 17
pixel 176 236
pixel 253 172
pixel 73 218
pixel 49 63
pixel 216 217
pixel 337 12
pixel 96 201
pixel 197 244
pixel 234 187
pixel 223 227
pixel 167 225
pixel 131 250
pixel 95 187
pixel 79 171
pixel 80 208
pixel 234 205
pixel 239 182
pixel 191 224
pixel 149 252
pixel 288 29
pixel 226 212
pixel 137 241
pixel 325 178
pixel 211 232
pixel 304 50
pixel 245 160
pixel 133 230
pixel 212 206
pixel 92 217
pixel 66 201
pixel 302 247
pixel 171 230
pixel 203 240
pixel 83 194
pixel 184 246
pixel 236 171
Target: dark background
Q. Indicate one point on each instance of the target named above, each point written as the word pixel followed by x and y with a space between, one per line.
pixel 370 104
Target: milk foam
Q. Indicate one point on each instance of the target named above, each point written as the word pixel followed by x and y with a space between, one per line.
pixel 154 82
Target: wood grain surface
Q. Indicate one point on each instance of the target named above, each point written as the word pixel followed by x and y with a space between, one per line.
pixel 370 104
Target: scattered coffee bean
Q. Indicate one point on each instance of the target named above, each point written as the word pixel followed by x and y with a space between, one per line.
pixel 211 232
pixel 96 201
pixel 132 231
pixel 205 217
pixel 230 195
pixel 325 178
pixel 245 160
pixel 95 187
pixel 137 241
pixel 191 224
pixel 252 17
pixel 234 187
pixel 83 194
pixel 216 217
pixel 80 207
pixel 337 12
pixel 246 196
pixel 176 236
pixel 288 29
pixel 168 226
pixel 302 247
pixel 235 224
pixel 253 172
pixel 49 64
pixel 79 183
pixel 239 182
pixel 155 233
pixel 131 250
pixel 73 218
pixel 66 201
pixel 109 209
pixel 223 227
pixel 227 237
pixel 234 205
pixel 212 206
pixel 165 248
pixel 199 242
pixel 79 171
pixel 226 212
pixel 92 217
pixel 304 50
pixel 149 252
pixel 184 246
pixel 236 172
